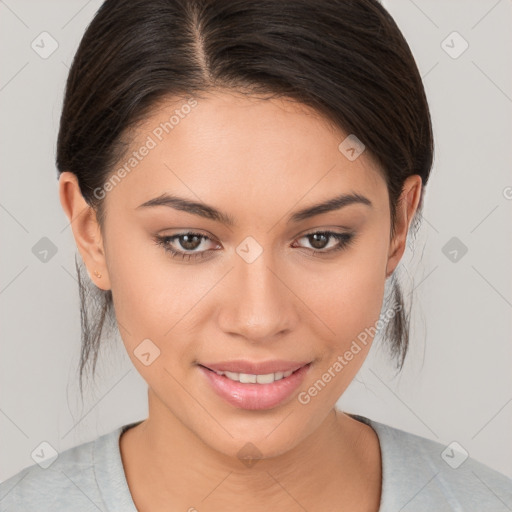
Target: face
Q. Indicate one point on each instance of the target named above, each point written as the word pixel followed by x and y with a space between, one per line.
pixel 254 282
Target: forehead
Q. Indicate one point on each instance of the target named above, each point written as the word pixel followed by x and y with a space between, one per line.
pixel 224 145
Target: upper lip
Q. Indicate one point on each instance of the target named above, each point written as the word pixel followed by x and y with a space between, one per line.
pixel 255 368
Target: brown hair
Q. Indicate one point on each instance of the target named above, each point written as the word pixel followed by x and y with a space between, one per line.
pixel 345 58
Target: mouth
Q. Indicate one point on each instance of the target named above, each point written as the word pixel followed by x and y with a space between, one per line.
pixel 255 391
pixel 250 378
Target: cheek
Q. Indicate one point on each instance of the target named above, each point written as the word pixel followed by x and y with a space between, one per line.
pixel 154 297
pixel 141 287
pixel 349 302
pixel 348 296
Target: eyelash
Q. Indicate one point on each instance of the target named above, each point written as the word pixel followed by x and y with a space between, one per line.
pixel 344 240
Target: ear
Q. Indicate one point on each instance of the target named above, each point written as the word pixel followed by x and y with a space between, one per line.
pixel 405 210
pixel 86 229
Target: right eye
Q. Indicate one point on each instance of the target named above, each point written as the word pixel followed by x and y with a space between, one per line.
pixel 188 241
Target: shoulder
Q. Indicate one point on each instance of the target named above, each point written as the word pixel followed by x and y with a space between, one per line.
pixel 421 474
pixel 81 479
pixel 60 484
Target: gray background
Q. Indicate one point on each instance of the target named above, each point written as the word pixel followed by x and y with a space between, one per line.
pixel 456 384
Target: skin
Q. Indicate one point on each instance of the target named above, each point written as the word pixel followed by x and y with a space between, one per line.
pixel 259 161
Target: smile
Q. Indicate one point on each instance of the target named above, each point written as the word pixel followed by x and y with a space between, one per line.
pixel 255 391
pixel 248 378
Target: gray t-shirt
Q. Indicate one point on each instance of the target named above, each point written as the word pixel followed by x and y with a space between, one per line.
pixel 417 475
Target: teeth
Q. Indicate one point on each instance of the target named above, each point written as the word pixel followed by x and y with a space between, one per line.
pixel 247 378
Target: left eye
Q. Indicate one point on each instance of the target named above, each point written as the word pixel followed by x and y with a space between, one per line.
pixel 191 241
pixel 317 239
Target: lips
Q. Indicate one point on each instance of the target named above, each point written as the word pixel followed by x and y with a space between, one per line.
pixel 254 396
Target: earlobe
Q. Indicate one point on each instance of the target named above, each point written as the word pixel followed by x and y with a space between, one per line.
pixel 86 230
pixel 405 211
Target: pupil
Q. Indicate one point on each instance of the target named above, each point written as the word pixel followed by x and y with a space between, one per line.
pixel 187 240
pixel 316 241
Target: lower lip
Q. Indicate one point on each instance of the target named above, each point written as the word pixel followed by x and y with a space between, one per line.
pixel 255 396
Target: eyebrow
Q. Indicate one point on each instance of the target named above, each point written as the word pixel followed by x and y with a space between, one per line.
pixel 212 213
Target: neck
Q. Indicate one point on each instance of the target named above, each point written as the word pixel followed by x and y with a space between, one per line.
pixel 168 464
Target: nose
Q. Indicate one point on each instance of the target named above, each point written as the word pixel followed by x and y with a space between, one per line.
pixel 257 305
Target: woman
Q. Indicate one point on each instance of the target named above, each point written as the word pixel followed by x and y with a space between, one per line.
pixel 241 178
